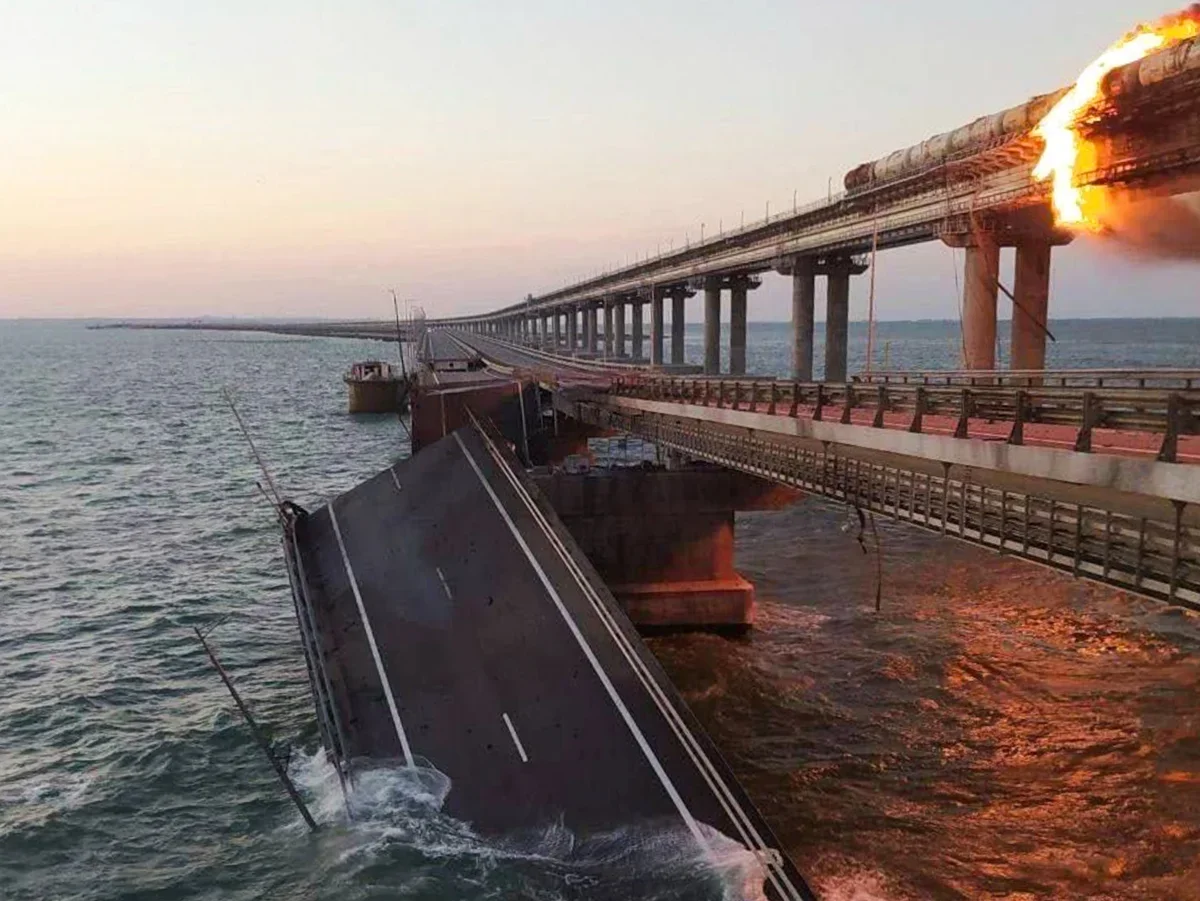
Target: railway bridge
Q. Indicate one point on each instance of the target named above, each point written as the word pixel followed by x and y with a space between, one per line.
pixel 1089 472
pixel 971 188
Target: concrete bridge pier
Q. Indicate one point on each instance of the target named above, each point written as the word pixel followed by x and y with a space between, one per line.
pixel 1033 233
pixel 608 328
pixel 572 329
pixel 981 278
pixel 1031 287
pixel 837 314
pixel 803 273
pixel 677 324
pixel 712 326
pixel 557 330
pixel 738 288
pixel 656 327
pixel 619 312
pixel 635 352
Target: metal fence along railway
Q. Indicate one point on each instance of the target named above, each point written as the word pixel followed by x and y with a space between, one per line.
pixel 1153 552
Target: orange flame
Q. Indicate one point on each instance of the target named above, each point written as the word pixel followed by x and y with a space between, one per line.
pixel 1064 146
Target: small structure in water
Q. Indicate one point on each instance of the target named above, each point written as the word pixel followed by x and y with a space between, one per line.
pixel 376 387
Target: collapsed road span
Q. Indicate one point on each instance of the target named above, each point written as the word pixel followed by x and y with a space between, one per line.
pixel 447 616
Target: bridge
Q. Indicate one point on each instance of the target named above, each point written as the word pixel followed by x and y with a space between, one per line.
pixel 471 610
pixel 970 188
pixel 1089 472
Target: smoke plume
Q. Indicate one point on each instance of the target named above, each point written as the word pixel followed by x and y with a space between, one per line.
pixel 1153 226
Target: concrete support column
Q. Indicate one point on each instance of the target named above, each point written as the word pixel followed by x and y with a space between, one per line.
pixel 586 311
pixel 1031 287
pixel 636 339
pixel 572 333
pixel 677 323
pixel 837 323
pixel 737 327
pixel 619 313
pixel 557 330
pixel 593 314
pixel 712 328
pixel 608 329
pixel 803 294
pixel 656 329
pixel 979 303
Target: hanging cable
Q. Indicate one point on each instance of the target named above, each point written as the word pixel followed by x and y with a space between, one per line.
pixel 871 298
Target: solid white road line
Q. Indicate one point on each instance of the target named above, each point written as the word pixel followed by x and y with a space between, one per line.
pixel 622 710
pixel 732 807
pixel 362 611
pixel 445 585
pixel 516 739
pixel 395 480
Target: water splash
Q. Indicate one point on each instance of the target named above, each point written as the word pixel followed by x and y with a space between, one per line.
pixel 395 811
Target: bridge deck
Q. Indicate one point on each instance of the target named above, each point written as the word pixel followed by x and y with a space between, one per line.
pixel 754 394
pixel 459 624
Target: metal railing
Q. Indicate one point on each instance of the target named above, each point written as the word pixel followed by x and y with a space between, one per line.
pixel 1185 379
pixel 1164 412
pixel 1155 556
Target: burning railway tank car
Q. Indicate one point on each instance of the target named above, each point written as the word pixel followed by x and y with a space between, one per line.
pixel 1181 61
pixel 1008 132
pixel 984 135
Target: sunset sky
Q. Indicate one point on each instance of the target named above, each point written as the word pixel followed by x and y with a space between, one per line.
pixel 167 158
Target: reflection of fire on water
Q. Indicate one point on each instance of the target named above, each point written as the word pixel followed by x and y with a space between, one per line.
pixel 1081 207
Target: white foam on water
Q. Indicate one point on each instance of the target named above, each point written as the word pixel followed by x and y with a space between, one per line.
pixel 858 886
pixel 396 808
